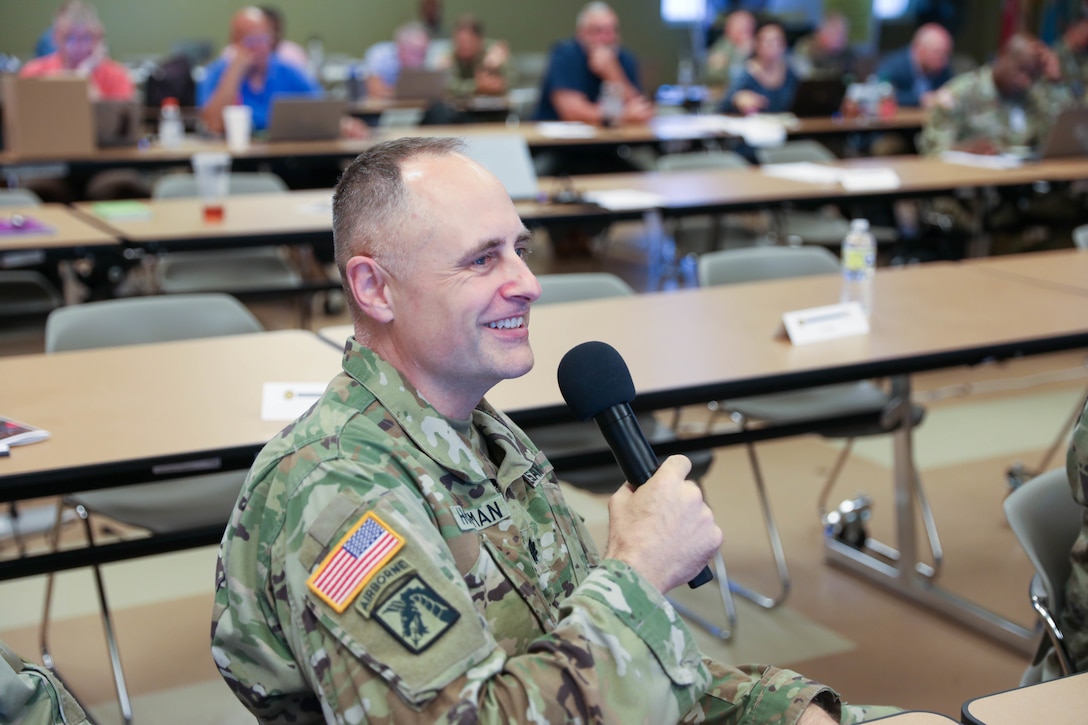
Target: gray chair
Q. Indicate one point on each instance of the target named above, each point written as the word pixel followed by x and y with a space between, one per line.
pixel 815 404
pixel 237 271
pixel 1046 520
pixel 1080 237
pixel 568 438
pixel 24 293
pixel 827 226
pixel 180 504
pixel 710 231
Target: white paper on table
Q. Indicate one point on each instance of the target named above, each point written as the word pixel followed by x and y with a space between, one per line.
pixel 873 179
pixel 984 161
pixel 287 401
pixel 322 207
pixel 805 171
pixel 621 199
pixel 565 129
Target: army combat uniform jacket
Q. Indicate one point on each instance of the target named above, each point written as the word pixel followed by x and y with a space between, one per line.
pixel 1074 617
pixel 969 107
pixel 387 564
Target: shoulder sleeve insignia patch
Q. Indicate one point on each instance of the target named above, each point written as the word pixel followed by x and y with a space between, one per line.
pixel 416 615
pixel 350 564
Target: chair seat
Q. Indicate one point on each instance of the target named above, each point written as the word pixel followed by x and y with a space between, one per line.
pixel 182 504
pixel 25 293
pixel 237 270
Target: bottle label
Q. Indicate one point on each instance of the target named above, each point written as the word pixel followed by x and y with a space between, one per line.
pixel 855 260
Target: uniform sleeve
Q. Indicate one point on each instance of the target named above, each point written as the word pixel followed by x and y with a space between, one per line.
pixel 414 644
pixel 942 127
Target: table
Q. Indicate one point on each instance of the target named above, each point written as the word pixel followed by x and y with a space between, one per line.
pixel 1057 702
pixel 296 217
pixel 1062 269
pixel 196 408
pixel 915 718
pixel 71 235
pixel 697 345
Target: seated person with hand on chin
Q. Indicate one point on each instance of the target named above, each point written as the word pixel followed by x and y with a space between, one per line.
pixel 582 68
pixel 767 84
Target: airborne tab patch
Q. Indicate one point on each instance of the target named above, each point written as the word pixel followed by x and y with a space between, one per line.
pixel 415 615
pixel 353 561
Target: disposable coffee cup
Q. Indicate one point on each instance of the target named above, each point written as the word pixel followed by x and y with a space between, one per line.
pixel 211 169
pixel 238 123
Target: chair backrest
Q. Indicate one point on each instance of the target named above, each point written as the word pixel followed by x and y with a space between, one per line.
pixel 749 264
pixel 1080 237
pixel 136 320
pixel 579 286
pixel 173 186
pixel 793 152
pixel 701 160
pixel 19 197
pixel 1046 520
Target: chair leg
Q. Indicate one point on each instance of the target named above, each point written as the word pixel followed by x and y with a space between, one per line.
pixel 757 598
pixel 120 685
pixel 725 591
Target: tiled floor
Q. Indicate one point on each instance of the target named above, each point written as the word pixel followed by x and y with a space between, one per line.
pixel 834 627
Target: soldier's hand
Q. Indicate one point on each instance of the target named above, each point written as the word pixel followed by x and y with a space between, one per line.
pixel 663 529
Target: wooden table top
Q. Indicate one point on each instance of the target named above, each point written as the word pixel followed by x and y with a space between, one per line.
pixel 1056 702
pixel 704 344
pixel 1063 268
pixel 69 231
pixel 192 397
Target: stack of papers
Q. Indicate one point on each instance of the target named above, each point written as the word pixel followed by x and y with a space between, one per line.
pixel 118 210
pixel 861 179
pixel 624 199
pixel 984 161
pixel 565 129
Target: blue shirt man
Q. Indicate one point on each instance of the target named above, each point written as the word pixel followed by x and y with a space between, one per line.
pixel 579 68
pixel 918 70
pixel 282 79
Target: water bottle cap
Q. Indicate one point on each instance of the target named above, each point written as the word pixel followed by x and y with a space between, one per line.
pixel 859 225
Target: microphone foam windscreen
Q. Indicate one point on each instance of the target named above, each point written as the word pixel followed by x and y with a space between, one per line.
pixel 593 377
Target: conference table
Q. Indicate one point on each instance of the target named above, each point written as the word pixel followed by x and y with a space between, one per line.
pixel 684 347
pixel 52 229
pixel 697 345
pixel 1055 702
pixel 1061 269
pixel 144 413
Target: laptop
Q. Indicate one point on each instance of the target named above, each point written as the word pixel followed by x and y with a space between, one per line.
pixel 117 123
pixel 818 97
pixel 1068 135
pixel 417 83
pixel 301 118
pixel 507 157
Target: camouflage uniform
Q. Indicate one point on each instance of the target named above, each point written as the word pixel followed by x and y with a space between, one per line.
pixel 32 695
pixel 969 107
pixel 1074 617
pixel 1074 70
pixel 496 607
pixel 811 61
pixel 724 63
pixel 462 82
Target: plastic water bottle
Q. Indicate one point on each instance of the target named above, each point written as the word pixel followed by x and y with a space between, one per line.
pixel 611 103
pixel 171 129
pixel 858 265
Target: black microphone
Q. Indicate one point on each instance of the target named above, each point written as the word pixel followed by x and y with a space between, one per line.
pixel 596 383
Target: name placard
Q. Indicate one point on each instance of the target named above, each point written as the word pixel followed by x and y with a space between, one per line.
pixel 829 322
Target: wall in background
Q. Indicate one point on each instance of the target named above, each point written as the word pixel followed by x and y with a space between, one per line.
pixel 141 28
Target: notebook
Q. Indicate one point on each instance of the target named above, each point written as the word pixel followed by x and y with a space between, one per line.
pixel 421 84
pixel 818 97
pixel 117 123
pixel 507 157
pixel 301 118
pixel 1068 135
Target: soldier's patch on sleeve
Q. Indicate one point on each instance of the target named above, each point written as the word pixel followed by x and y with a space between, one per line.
pixel 416 615
pixel 349 565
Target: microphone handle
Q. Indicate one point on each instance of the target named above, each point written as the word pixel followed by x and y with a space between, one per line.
pixel 635 456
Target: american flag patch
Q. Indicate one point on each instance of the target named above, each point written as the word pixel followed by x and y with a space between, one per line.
pixel 353 561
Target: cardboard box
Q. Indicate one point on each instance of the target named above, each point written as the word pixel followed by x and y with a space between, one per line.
pixel 47 117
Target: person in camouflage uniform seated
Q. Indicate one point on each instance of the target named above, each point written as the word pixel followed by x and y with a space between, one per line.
pixel 1001 106
pixel 725 58
pixel 1072 52
pixel 1074 617
pixel 403 553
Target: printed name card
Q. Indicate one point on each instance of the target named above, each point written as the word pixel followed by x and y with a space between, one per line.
pixel 830 322
pixel 287 401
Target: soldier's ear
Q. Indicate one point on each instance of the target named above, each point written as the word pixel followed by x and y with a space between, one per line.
pixel 369 284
